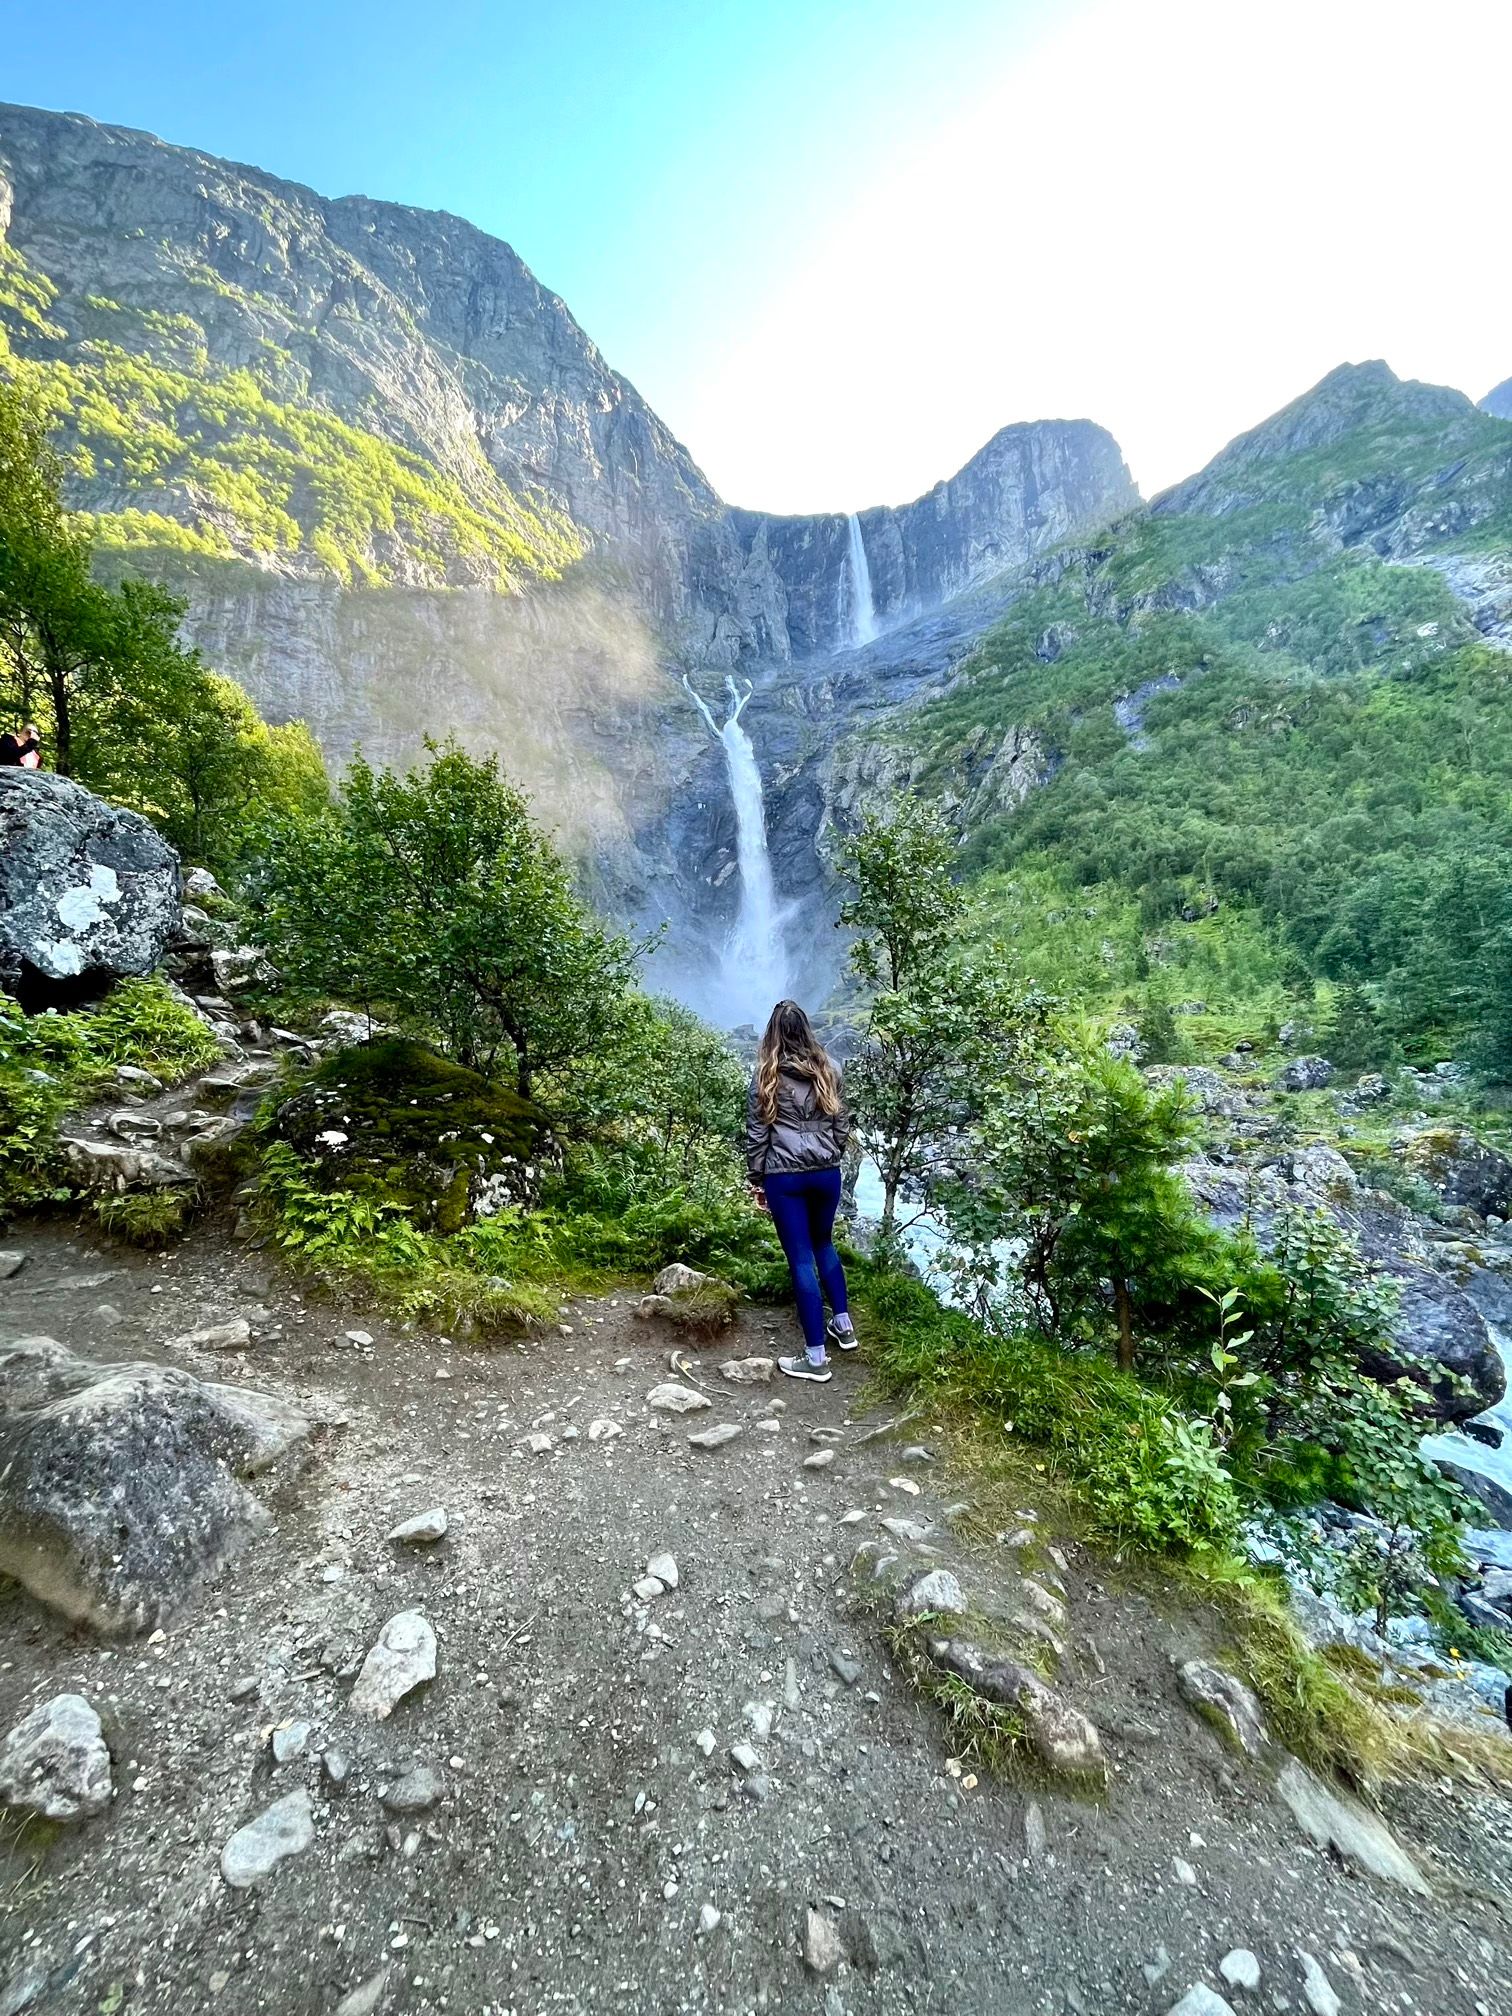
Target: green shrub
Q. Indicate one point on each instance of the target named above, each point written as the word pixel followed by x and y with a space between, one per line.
pixel 1149 1475
pixel 142 1217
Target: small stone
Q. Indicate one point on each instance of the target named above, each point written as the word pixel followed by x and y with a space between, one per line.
pixel 673 1399
pixel 538 1443
pixel 1035 1843
pixel 769 1427
pixel 244 1688
pixel 359 1337
pixel 748 1371
pixel 744 1757
pixel 421 1788
pixel 1156 1968
pixel 852 1518
pixel 822 1948
pixel 708 1921
pixel 403 1658
pixel 715 1437
pixel 289 1741
pixel 1224 1702
pixel 1240 1969
pixel 758 1717
pixel 648 1588
pixel 664 1568
pixel 55 1762
pixel 1185 1873
pixel 364 1999
pixel 845 1667
pixel 12 1260
pixel 228 1336
pixel 256 1850
pixel 422 1529
pixel 908 1530
pixel 705 1741
pixel 1358 1837
pixel 904 1484
pixel 1317 1989
pixel 1200 2001
pixel 603 1429
pixel 336 1769
pixel 938 1592
pixel 820 1460
pixel 917 1453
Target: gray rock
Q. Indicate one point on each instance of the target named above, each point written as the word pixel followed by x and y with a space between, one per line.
pixel 1317 1990
pixel 1240 1969
pixel 935 1593
pixel 102 1166
pixel 1062 1737
pixel 664 1567
pixel 820 1460
pixel 673 1399
pixel 748 1371
pixel 403 1658
pixel 907 1530
pixel 364 1999
pixel 1224 1702
pixel 255 1851
pixel 715 1437
pixel 55 1761
pixel 1305 1074
pixel 289 1741
pixel 1036 1842
pixel 121 1484
pixel 1200 2001
pixel 228 1336
pixel 24 1990
pixel 1356 1836
pixel 823 1951
pixel 421 1788
pixel 1460 1167
pixel 678 1280
pixel 845 1667
pixel 424 1528
pixel 88 892
pixel 336 1769
pixel 12 1260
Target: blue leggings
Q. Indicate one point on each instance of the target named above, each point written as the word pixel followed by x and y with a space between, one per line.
pixel 803 1203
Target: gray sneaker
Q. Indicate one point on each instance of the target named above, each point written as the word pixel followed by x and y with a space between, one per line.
pixel 843 1340
pixel 804 1368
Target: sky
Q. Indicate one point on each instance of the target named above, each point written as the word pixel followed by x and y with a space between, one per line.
pixel 838 245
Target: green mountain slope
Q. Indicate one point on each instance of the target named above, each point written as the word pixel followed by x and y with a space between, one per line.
pixel 1264 727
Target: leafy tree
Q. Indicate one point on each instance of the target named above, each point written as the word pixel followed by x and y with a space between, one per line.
pixel 904 906
pixel 435 896
pixel 1070 1161
pixel 665 1100
pixel 1157 1032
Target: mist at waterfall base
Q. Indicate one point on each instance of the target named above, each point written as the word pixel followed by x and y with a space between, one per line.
pixel 752 970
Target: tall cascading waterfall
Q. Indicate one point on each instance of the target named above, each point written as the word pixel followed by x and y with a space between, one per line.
pixel 862 610
pixel 754 964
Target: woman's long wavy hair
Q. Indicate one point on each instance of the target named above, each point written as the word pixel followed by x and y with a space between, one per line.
pixel 789 1044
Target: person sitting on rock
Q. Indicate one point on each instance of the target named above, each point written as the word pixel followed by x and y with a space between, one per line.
pixel 22 748
pixel 797 1129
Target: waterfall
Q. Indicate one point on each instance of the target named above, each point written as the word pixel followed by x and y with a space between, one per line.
pixel 863 611
pixel 754 967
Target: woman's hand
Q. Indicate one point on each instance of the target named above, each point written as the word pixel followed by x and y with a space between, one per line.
pixel 758 1198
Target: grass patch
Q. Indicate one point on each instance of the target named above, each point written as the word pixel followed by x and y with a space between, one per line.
pixel 148 1218
pixel 52 1064
pixel 1146 1475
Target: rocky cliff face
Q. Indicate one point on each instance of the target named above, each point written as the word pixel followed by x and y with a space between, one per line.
pixel 356 391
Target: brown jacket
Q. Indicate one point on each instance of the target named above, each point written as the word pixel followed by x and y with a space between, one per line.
pixel 802 1135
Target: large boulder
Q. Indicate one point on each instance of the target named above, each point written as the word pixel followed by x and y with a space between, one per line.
pixel 88 893
pixel 121 1486
pixel 1462 1169
pixel 394 1121
pixel 1440 1336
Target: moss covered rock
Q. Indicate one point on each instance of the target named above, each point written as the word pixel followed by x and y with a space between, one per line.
pixel 394 1120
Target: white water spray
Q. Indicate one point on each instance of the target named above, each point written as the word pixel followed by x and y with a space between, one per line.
pixel 754 967
pixel 863 610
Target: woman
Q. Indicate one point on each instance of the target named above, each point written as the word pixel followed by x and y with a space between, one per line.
pixel 796 1131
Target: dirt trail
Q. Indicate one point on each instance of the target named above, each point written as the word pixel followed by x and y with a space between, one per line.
pixel 582 1836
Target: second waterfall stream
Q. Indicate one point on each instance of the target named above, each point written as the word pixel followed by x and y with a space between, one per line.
pixel 753 965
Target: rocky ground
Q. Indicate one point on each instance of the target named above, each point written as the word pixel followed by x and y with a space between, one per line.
pixel 723 1796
